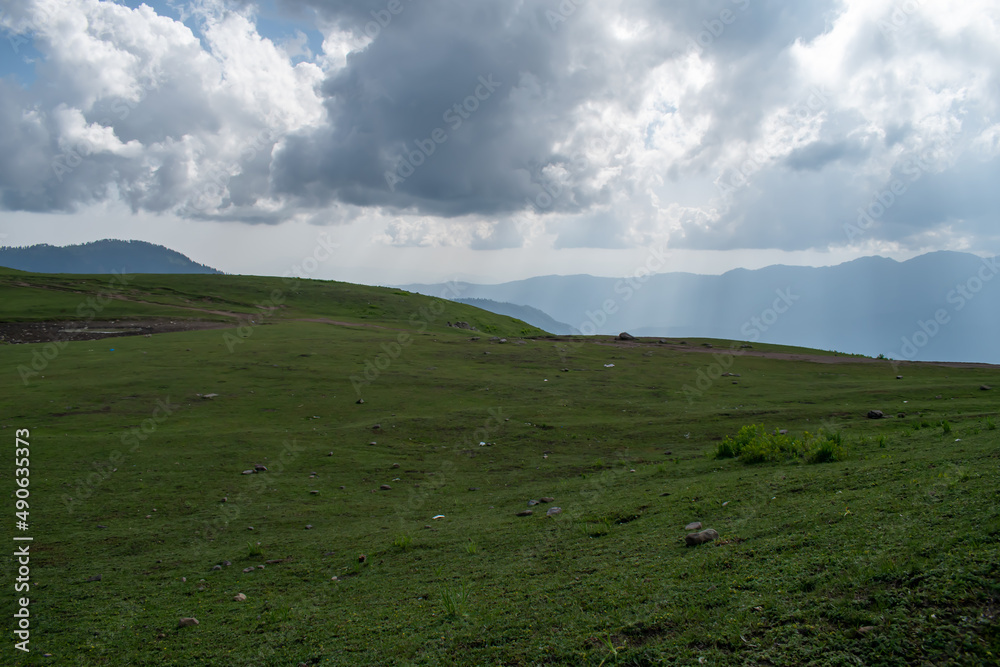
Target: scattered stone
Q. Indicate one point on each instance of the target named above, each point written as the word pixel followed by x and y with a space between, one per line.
pixel 309 526
pixel 625 336
pixel 342 486
pixel 314 492
pixel 532 503
pixel 260 567
pixel 216 567
pixel 226 563
pixel 985 387
pixel 210 396
pixel 701 537
pixel 525 513
pixel 96 577
pixel 783 431
pixel 260 468
pixel 187 622
pixel 553 511
pixel 376 427
pixel 385 487
pixel 184 580
pixel 899 377
pixel 547 499
pixel 875 414
pixel 248 569
pixel 360 401
pixel 239 598
pixel 225 499
pixel 100 526
pixel 372 443
pixel 437 516
pixel 695 525
pixel 395 465
pixel 249 472
pixel 249 527
pixel 865 629
pixel 330 454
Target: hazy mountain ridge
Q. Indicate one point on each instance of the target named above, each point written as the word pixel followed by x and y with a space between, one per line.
pixel 532 316
pixel 867 306
pixel 97 257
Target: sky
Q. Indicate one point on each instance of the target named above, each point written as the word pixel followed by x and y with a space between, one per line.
pixel 396 141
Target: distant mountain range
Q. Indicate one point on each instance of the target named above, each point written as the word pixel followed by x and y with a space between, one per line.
pixel 943 306
pixel 532 316
pixel 100 257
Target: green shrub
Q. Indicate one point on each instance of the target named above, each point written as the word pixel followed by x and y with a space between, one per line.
pixel 753 444
pixel 991 425
pixel 945 427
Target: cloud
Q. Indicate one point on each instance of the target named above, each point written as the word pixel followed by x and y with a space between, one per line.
pixel 719 125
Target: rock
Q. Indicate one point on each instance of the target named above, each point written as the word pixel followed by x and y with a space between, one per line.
pixel 553 511
pixel 184 579
pixel 309 526
pixel 330 454
pixel 248 569
pixel 865 629
pixel 625 336
pixel 385 487
pixel 532 503
pixel 696 525
pixel 96 577
pixel 224 499
pixel 187 622
pixel 547 499
pixel 701 537
pixel 216 567
pixel 239 598
pixel 226 563
pixel 360 401
pixel 260 468
pixel 875 414
pixel 783 431
pixel 376 427
pixel 372 443
pixel 314 492
pixel 260 567
pixel 210 396
pixel 525 513
pixel 100 526
pixel 899 377
pixel 342 486
pixel 985 387
pixel 249 472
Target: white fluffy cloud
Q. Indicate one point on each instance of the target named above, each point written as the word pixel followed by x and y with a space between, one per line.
pixel 728 124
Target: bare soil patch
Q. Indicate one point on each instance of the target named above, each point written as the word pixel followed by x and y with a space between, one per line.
pixel 44 332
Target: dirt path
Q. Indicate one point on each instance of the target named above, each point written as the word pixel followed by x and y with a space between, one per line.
pixel 793 356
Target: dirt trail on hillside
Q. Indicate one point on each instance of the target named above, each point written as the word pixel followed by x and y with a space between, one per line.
pixel 792 356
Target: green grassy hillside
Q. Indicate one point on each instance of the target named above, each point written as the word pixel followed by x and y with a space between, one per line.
pixel 886 557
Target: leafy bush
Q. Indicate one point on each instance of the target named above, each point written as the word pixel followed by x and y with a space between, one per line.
pixel 754 444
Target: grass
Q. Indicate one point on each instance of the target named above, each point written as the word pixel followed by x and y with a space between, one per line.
pixel 885 552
